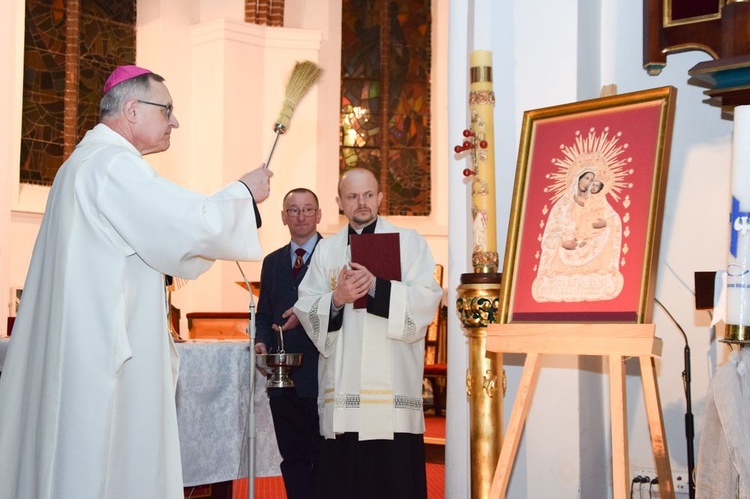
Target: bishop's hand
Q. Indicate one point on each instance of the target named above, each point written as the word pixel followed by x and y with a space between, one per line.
pixel 258 182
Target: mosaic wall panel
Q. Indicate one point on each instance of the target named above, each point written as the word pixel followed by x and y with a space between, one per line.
pixel 385 98
pixel 106 40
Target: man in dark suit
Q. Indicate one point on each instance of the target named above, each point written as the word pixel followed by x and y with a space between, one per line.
pixel 294 410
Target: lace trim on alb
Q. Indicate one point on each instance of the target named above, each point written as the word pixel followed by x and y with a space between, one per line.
pixel 353 401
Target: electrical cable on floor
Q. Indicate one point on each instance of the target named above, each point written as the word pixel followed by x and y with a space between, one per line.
pixel 689 423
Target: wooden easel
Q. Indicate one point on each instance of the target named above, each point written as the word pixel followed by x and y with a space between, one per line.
pixel 616 341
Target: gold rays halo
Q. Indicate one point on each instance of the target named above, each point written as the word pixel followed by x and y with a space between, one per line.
pixel 594 152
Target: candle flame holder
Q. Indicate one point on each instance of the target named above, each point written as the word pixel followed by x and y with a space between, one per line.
pixel 476 145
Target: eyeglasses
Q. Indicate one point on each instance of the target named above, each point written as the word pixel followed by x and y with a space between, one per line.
pixel 294 212
pixel 167 107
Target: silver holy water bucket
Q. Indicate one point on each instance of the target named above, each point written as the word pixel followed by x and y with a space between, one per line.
pixel 279 366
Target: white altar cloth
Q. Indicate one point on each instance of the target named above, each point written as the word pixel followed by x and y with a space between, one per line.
pixel 212 394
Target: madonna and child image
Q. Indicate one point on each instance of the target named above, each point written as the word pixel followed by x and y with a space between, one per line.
pixel 583 245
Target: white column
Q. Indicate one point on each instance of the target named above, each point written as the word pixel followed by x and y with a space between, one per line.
pixel 457 468
pixel 11 58
pixel 239 74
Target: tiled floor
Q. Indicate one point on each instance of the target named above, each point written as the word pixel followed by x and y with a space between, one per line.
pixel 434 426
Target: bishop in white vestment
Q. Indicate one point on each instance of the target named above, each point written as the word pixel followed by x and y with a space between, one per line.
pixel 87 393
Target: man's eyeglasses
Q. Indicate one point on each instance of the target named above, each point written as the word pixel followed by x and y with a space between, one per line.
pixel 167 107
pixel 294 212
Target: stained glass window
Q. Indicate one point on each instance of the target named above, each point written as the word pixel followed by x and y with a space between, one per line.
pixel 71 47
pixel 385 98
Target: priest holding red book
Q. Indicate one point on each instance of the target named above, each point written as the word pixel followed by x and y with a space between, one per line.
pixel 372 358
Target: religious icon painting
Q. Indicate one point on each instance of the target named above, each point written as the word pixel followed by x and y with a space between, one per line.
pixel 585 223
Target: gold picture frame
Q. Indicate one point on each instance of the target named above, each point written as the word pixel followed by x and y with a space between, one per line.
pixel 585 221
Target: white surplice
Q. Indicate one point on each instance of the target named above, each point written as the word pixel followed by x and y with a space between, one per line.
pixel 87 393
pixel 370 371
pixel 723 469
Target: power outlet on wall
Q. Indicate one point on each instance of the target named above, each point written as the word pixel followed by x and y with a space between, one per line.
pixel 679 481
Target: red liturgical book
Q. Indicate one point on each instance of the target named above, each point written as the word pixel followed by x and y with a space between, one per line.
pixel 380 253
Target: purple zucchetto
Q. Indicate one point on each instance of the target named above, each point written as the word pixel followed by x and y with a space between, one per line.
pixel 122 73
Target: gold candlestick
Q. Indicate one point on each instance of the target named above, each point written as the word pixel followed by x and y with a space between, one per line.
pixel 477 304
pixel 479 293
